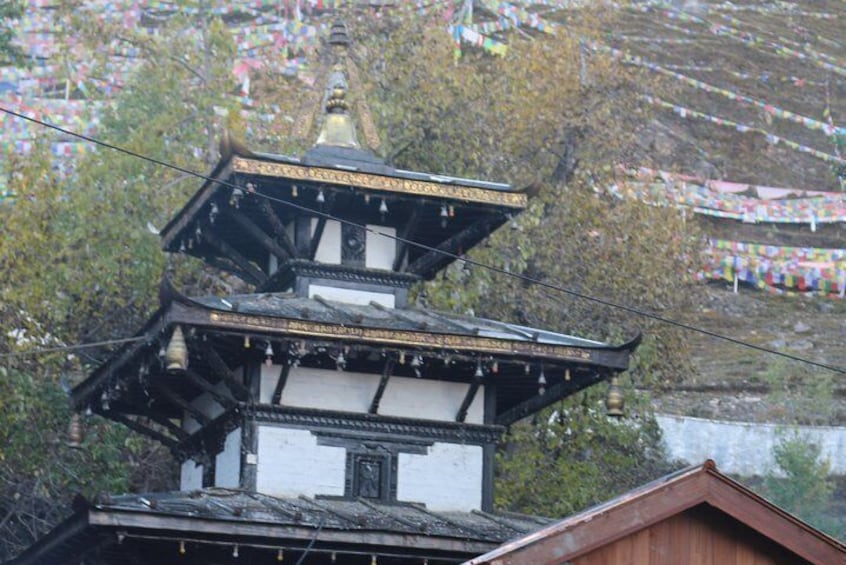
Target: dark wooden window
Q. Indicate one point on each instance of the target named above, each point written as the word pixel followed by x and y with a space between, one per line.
pixel 353 240
pixel 371 475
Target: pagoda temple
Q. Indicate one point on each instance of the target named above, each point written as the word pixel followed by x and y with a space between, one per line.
pixel 322 418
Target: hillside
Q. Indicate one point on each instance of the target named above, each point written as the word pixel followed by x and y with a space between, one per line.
pixel 759 99
pixel 747 137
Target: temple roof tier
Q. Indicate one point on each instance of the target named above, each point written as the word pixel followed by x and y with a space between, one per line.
pixel 261 206
pixel 531 368
pixel 163 528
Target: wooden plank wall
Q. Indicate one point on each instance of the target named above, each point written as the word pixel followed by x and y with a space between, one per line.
pixel 699 536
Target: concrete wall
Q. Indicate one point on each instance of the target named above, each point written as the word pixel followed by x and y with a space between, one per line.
pixel 744 448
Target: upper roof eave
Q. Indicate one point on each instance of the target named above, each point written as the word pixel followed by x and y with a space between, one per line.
pixel 211 184
pixel 397 182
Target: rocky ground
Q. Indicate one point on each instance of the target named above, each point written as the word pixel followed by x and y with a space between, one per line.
pixel 736 383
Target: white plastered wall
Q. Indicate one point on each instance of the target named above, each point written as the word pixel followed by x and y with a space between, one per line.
pixel 448 477
pixel 380 246
pixel 353 392
pixel 430 400
pixel 329 248
pixel 227 465
pixel 190 476
pixel 290 463
pixel 351 296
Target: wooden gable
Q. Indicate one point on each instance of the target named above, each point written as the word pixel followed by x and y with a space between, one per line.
pixel 697 516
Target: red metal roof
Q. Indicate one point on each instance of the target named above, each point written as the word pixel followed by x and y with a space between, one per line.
pixel 657 501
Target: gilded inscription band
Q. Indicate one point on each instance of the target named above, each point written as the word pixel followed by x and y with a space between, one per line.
pixel 378 182
pixel 398 337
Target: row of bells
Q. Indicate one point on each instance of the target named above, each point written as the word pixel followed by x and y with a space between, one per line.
pixel 176 359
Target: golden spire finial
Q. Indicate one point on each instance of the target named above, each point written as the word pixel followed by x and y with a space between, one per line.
pixel 338 128
pixel 337 102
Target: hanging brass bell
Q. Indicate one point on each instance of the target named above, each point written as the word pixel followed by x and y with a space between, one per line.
pixel 176 356
pixel 614 401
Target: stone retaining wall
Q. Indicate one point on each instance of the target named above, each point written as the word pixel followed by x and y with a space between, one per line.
pixel 744 448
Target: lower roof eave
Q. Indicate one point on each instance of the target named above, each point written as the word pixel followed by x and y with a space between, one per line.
pixel 202 527
pixel 75 531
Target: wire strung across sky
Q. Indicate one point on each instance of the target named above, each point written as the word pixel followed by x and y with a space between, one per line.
pixel 492 268
pixel 58 348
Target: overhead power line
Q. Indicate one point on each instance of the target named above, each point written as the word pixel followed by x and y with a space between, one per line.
pixel 44 350
pixel 498 270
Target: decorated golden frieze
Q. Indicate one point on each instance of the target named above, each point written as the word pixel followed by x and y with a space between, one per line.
pixel 404 338
pixel 379 182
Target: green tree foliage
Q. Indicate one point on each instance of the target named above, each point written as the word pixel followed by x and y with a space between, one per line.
pixel 554 117
pixel 39 473
pixel 81 265
pixel 549 116
pixel 83 261
pixel 573 455
pixel 800 394
pixel 801 485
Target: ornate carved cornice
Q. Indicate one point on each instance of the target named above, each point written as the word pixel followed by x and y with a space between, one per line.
pixel 379 182
pixel 405 338
pixel 370 424
pixel 303 268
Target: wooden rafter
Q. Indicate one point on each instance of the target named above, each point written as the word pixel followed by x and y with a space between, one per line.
pixel 302 235
pixel 262 238
pixel 316 237
pixel 225 264
pixel 223 372
pixel 405 234
pixel 552 394
pixel 383 382
pixel 461 415
pixel 279 231
pixel 134 425
pixel 168 425
pixel 235 256
pixel 180 402
pixel 280 383
pixel 446 251
pixel 204 385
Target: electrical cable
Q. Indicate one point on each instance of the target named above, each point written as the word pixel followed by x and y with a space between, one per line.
pixel 71 347
pixel 311 541
pixel 498 270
